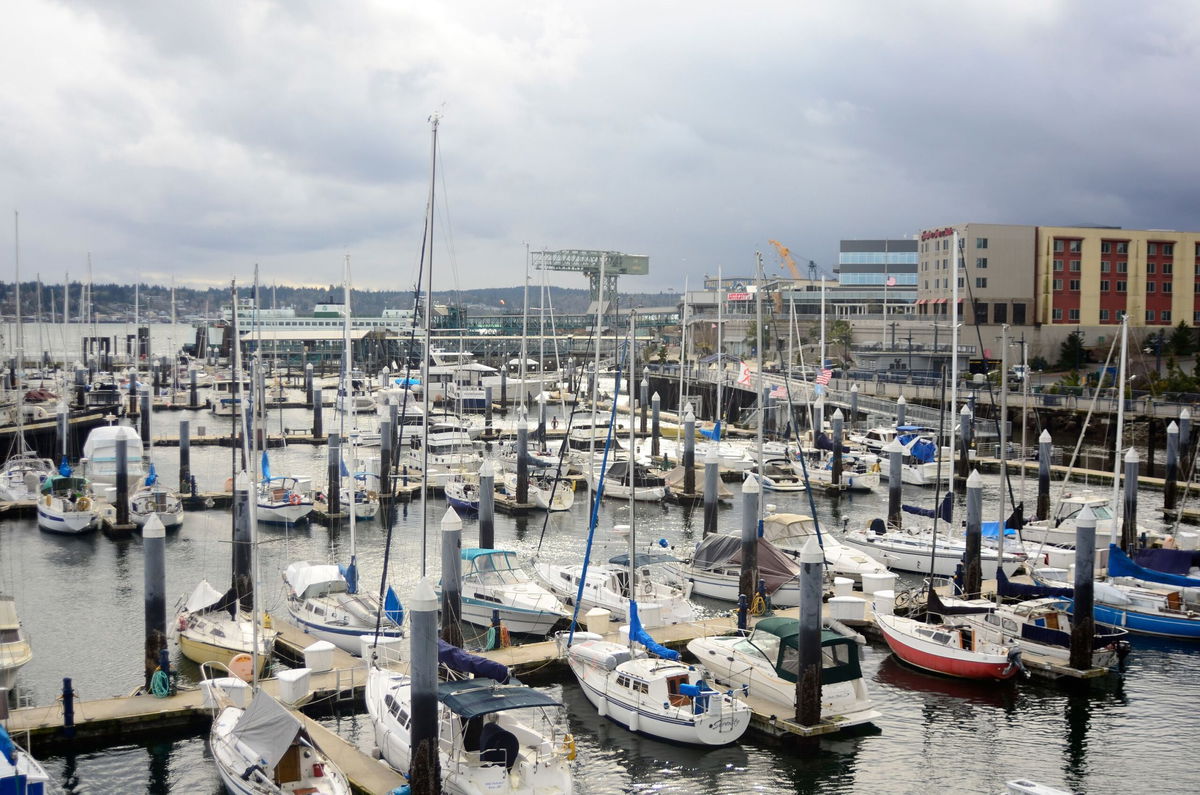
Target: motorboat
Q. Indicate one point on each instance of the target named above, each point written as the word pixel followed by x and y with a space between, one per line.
pixel 790 531
pixel 212 628
pixel 493 581
pixel 67 504
pixel 857 475
pixel 99 461
pixel 495 735
pixel 264 749
pixel 15 650
pixel 544 493
pixel 322 602
pixel 776 474
pixel 912 549
pixel 764 663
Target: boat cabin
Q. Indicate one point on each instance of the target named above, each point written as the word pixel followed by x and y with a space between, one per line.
pixel 777 641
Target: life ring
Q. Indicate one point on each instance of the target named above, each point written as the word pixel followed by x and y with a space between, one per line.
pixel 49 500
pixel 295 499
pixel 505 639
pixel 83 504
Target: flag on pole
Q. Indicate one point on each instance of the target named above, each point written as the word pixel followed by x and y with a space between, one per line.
pixel 823 378
pixel 744 377
pixel 779 392
pixel 891 282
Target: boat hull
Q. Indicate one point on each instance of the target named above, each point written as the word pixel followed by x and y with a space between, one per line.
pixel 943 660
pixel 66 523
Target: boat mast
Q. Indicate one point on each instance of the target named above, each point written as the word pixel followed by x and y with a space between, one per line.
pixel 759 381
pixel 524 327
pixel 348 381
pixel 592 479
pixel 1118 457
pixel 720 356
pixel 632 476
pixel 953 332
pixel 20 326
pixel 433 120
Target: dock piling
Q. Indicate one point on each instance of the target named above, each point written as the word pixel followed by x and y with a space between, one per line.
pixel 333 494
pixel 64 430
pixel 973 567
pixel 154 545
pixel 425 775
pixel 487 505
pixel 750 499
pixel 185 456
pixel 1083 621
pixel 712 476
pixel 689 450
pixel 808 680
pixel 193 389
pixel 523 456
pixel 386 438
pixel 1043 493
pixel 836 474
pixel 895 452
pixel 644 398
pixel 122 505
pixel 901 411
pixel 452 578
pixel 317 425
pixel 1169 484
pixel 965 432
pixel 853 418
pixel 1129 519
pixel 655 407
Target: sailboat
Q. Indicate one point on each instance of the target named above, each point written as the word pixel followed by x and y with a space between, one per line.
pixel 67 504
pixel 281 499
pixel 155 499
pixel 651 693
pixel 324 599
pixel 20 773
pixel 15 650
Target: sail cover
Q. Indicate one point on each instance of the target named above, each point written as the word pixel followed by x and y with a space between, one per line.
pixel 1119 565
pixel 639 633
pixel 945 511
pixel 774 567
pixel 267 727
pixel 463 662
pixel 202 598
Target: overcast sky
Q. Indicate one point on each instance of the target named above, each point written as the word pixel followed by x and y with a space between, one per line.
pixel 196 139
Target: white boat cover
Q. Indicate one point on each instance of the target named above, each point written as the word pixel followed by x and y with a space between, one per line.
pixel 788 530
pixel 105 438
pixel 313 579
pixel 203 597
pixel 267 727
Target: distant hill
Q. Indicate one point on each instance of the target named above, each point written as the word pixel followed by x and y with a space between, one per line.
pixel 155 300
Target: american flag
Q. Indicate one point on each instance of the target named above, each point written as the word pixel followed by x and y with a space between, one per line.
pixel 779 392
pixel 824 377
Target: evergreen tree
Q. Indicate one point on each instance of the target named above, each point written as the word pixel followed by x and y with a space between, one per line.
pixel 1183 340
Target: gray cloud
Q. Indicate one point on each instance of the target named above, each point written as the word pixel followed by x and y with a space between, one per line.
pixel 198 139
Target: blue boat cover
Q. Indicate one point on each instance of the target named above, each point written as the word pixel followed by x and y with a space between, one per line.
pixel 64 468
pixel 7 747
pixel 464 662
pixel 392 607
pixel 713 433
pixel 1007 588
pixel 1120 565
pixel 945 511
pixel 992 529
pixel 151 476
pixel 1173 561
pixel 471 698
pixel 638 633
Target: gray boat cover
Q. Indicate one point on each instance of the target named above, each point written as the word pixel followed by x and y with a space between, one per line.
pixel 268 728
pixel 774 567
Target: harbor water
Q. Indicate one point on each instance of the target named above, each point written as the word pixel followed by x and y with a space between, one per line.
pixel 81 600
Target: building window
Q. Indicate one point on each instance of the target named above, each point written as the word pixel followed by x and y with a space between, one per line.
pixel 960 282
pixel 1166 316
pixel 1104 284
pixel 1075 266
pixel 1073 285
pixel 1105 265
pixel 1196 318
pixel 1166 287
pixel 1103 315
pixel 1151 249
pixel 1073 315
pixel 1149 267
pixel 926 287
pixel 1057 284
pixel 1056 314
pixel 1000 313
pixel 1105 247
pixel 980 281
pixel 1168 268
pixel 1122 267
pixel 1074 247
pixel 1149 315
pixel 1123 247
pixel 1149 288
pixel 981 242
pixel 1168 249
pixel 1019 314
pixel 981 262
pixel 981 313
pixel 1058 245
pixel 1120 286
pixel 1058 265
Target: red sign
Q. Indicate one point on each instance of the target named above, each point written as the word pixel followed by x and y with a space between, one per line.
pixel 932 233
pixel 738 296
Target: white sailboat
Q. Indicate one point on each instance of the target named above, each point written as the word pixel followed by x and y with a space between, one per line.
pixel 15 650
pixel 66 504
pixel 20 773
pixel 657 695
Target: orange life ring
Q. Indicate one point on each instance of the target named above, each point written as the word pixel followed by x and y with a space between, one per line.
pixel 295 499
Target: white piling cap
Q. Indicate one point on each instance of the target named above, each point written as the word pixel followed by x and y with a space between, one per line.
pixel 974 480
pixel 153 527
pixel 655 398
pixel 1186 414
pixel 1044 437
pixel 854 387
pixel 711 456
pixel 522 415
pixel 451 520
pixel 1131 457
pixel 965 411
pixel 1172 428
pixel 900 401
pixel 486 470
pixel 837 415
pixel 1086 518
pixel 241 482
pixel 424 598
pixel 811 552
pixel 750 485
pixel 688 416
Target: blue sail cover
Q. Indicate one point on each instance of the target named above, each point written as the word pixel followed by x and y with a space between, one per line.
pixel 1119 565
pixel 7 747
pixel 1173 561
pixel 1007 588
pixel 463 662
pixel 151 476
pixel 392 607
pixel 266 466
pixel 713 433
pixel 64 468
pixel 638 633
pixel 945 511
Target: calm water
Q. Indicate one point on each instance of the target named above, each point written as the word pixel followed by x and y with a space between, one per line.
pixel 81 600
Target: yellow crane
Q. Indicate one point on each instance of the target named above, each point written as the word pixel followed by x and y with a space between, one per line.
pixel 785 254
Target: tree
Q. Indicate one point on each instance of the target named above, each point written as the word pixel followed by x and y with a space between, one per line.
pixel 1072 354
pixel 1183 340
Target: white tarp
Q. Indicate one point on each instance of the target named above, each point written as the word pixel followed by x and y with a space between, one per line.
pixel 203 597
pixel 313 579
pixel 788 530
pixel 267 727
